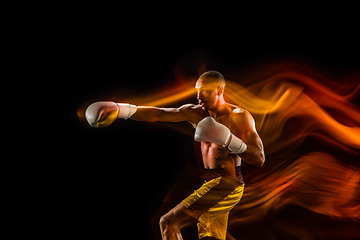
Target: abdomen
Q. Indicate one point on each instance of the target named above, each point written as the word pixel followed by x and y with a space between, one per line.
pixel 216 156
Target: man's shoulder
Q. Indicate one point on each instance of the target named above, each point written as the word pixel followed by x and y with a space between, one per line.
pixel 239 113
pixel 243 119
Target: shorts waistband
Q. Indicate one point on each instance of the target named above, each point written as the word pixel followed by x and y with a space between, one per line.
pixel 219 172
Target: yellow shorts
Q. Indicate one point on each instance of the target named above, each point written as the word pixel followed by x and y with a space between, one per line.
pixel 212 202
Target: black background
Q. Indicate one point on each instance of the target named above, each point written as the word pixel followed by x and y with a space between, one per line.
pixel 81 187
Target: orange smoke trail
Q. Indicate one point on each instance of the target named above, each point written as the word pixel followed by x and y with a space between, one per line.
pixel 289 107
pixel 164 97
pixel 292 103
pixel 316 181
pixel 279 101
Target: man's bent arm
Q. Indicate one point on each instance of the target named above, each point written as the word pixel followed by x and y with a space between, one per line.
pixel 254 153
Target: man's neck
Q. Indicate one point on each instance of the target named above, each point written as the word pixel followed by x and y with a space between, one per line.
pixel 220 110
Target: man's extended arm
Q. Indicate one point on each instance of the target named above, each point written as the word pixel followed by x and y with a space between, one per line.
pixel 155 114
pixel 102 114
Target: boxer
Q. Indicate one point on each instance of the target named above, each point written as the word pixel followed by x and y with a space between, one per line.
pixel 227 134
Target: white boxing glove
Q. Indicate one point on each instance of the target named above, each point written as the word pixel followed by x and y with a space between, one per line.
pixel 209 130
pixel 102 114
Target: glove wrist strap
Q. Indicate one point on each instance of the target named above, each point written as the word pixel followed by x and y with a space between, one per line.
pixel 126 110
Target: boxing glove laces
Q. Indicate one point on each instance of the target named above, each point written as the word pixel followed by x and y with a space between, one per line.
pixel 209 130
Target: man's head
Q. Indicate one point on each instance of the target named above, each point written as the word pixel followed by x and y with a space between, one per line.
pixel 210 89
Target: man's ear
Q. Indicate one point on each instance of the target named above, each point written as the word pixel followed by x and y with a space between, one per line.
pixel 220 90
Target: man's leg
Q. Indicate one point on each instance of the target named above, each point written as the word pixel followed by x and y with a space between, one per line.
pixel 199 202
pixel 174 220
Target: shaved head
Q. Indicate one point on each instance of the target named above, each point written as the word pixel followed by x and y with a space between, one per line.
pixel 212 79
pixel 210 89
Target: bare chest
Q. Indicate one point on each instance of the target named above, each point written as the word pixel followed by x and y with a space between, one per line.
pixel 216 156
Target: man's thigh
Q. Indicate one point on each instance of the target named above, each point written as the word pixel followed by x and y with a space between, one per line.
pixel 181 216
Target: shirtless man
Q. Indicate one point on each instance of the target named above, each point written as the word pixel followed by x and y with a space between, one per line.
pixel 227 134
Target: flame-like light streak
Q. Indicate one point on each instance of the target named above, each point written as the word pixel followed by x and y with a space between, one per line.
pixel 165 96
pixel 291 103
pixel 289 107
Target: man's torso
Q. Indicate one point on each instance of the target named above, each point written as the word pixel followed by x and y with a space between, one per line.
pixel 216 156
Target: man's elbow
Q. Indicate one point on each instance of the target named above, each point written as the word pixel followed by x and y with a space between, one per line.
pixel 256 158
pixel 260 160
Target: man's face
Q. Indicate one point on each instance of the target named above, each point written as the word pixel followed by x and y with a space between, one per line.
pixel 207 93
